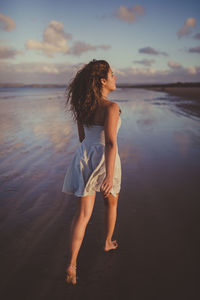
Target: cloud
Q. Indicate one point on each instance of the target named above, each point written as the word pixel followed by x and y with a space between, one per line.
pixel 151 75
pixel 196 36
pixel 195 49
pixel 192 70
pixel 6 23
pixel 151 51
pixel 41 68
pixel 174 65
pixel 61 73
pixel 79 47
pixel 42 72
pixel 186 29
pixel 129 15
pixel 54 40
pixel 145 62
pixel 8 52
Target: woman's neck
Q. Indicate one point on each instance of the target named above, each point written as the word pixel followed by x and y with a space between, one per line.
pixel 105 93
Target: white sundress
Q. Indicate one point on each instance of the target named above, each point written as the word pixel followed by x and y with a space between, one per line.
pixel 87 169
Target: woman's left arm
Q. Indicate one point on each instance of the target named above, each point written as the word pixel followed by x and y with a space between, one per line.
pixel 81 131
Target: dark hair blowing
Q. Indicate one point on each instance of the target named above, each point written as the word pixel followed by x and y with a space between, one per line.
pixel 84 92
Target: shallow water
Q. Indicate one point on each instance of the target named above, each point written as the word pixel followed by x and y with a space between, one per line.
pixel 155 132
pixel 157 225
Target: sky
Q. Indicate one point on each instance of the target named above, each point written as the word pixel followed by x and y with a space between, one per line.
pixel 148 41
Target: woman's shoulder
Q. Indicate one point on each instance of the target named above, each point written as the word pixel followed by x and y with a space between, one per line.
pixel 112 107
pixel 106 110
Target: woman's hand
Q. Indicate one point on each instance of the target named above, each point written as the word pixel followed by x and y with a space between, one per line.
pixel 106 186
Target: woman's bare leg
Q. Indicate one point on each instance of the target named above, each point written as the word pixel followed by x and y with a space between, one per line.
pixel 78 226
pixel 110 220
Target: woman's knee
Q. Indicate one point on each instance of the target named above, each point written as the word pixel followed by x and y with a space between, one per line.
pixel 84 214
pixel 111 200
pixel 85 208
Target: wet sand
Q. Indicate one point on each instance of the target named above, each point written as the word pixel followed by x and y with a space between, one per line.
pixel 190 93
pixel 178 94
pixel 158 213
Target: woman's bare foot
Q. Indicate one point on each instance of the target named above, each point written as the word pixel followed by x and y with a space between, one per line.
pixel 71 274
pixel 110 245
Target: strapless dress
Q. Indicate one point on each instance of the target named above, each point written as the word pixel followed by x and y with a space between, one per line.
pixel 87 169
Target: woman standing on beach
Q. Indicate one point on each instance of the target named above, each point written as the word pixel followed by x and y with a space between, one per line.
pixel 96 164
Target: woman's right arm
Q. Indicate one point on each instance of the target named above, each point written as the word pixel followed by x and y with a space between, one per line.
pixel 110 129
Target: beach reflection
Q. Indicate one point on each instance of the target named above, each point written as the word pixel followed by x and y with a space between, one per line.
pixel 183 142
pixel 151 125
pixel 57 132
pixel 151 129
pixel 155 137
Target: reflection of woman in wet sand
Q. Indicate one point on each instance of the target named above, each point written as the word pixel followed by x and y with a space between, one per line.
pixel 96 164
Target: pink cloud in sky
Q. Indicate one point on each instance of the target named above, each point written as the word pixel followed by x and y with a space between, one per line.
pixel 186 28
pixel 54 40
pixel 6 23
pixel 60 73
pixel 129 15
pixel 174 65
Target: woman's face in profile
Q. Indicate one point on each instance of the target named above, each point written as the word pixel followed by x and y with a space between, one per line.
pixel 111 81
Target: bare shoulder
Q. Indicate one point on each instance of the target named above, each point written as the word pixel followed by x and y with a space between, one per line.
pixel 112 108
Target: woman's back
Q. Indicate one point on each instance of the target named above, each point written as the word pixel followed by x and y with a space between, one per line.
pixel 95 134
pixel 100 113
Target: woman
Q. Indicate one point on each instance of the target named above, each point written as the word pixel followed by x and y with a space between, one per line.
pixel 96 164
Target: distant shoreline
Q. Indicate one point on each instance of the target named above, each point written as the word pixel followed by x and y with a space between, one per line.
pixel 186 90
pixel 161 86
pixel 189 93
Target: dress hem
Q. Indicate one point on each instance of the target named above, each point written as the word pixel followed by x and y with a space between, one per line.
pixel 71 193
pixel 77 195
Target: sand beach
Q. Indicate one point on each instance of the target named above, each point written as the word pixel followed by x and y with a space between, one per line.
pixel 158 214
pixel 190 93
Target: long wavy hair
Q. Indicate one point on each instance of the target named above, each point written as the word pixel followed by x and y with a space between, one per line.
pixel 84 92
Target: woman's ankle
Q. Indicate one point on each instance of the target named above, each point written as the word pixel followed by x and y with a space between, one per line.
pixel 108 240
pixel 72 265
